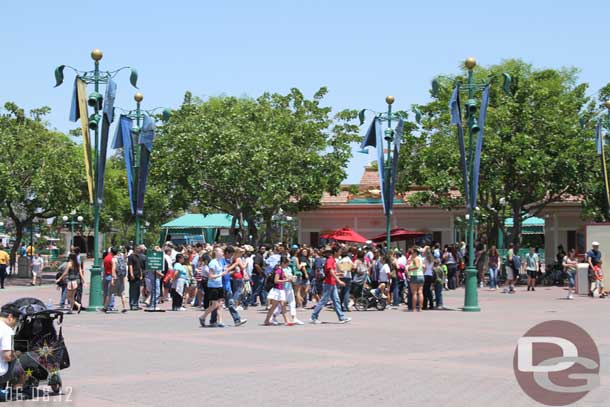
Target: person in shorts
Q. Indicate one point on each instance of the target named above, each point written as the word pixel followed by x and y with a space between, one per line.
pixel 532 264
pixel 118 287
pixel 569 264
pixel 37 264
pixel 215 293
pixel 599 279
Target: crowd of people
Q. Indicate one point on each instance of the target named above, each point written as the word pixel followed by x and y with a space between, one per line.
pixel 283 278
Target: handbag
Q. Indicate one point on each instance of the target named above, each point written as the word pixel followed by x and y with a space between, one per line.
pixel 168 276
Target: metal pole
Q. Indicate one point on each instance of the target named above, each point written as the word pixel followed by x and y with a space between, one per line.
pixel 95 285
pixel 387 184
pixel 471 301
pixel 136 135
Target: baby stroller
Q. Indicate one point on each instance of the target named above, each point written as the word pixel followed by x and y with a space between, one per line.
pixel 362 297
pixel 42 347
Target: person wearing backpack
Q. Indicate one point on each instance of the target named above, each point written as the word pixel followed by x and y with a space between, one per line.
pixel 118 288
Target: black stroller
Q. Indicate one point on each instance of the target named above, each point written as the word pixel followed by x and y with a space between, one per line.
pixel 42 347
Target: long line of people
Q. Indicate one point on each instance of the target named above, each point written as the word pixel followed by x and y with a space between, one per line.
pixel 284 279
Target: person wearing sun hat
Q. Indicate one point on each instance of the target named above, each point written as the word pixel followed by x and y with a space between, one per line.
pixel 594 258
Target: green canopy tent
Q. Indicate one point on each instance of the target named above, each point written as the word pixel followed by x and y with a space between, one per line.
pixel 192 224
pixel 532 230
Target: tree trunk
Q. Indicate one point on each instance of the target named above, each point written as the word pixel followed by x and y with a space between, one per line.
pixel 492 231
pixel 516 237
pixel 252 230
pixel 269 228
pixel 18 239
pixel 232 229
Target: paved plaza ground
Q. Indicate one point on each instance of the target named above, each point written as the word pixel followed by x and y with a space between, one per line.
pixel 434 358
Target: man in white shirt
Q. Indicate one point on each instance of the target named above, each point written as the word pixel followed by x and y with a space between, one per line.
pixel 37 264
pixel 9 316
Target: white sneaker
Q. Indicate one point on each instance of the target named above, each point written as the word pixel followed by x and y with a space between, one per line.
pixel 570 297
pixel 181 309
pixel 481 285
pixel 298 322
pixel 315 322
pixel 240 308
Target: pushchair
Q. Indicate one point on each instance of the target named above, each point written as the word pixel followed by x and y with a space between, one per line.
pixel 362 297
pixel 43 350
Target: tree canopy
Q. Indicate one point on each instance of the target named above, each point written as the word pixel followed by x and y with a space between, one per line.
pixel 41 171
pixel 249 157
pixel 535 150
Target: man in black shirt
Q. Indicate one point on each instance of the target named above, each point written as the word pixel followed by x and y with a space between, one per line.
pixel 258 278
pixel 135 264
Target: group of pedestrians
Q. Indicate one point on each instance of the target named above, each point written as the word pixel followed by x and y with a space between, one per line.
pixel 223 278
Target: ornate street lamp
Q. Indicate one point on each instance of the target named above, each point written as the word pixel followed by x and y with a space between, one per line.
pixel 135 131
pixel 94 168
pixel 387 167
pixel 72 221
pixel 470 158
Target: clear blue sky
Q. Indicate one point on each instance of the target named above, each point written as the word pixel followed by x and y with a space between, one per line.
pixel 360 50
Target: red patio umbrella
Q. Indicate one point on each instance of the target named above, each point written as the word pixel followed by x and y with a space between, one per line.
pixel 397 235
pixel 345 235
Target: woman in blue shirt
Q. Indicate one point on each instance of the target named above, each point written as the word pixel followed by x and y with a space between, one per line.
pixel 179 284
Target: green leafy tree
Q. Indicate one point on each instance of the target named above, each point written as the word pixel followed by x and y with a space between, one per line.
pixel 41 171
pixel 535 151
pixel 249 157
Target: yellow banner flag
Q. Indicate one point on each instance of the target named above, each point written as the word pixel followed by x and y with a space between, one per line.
pixel 81 89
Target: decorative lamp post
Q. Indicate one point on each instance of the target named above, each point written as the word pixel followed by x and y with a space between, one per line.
pixel 136 131
pixel 72 221
pixel 387 167
pixel 470 159
pixel 98 125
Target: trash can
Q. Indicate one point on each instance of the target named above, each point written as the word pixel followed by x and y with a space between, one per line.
pixel 23 267
pixel 54 254
pixel 582 279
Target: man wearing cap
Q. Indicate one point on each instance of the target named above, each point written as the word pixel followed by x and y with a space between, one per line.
pixel 330 288
pixel 594 258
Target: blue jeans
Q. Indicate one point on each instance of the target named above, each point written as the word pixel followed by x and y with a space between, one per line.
pixel 108 291
pixel 344 294
pixel 571 279
pixel 395 292
pixel 493 277
pixel 438 294
pixel 329 293
pixel 63 296
pixel 238 288
pixel 258 290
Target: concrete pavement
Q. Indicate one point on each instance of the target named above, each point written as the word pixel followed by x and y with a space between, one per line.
pixel 445 358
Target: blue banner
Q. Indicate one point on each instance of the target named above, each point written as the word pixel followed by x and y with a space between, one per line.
pixel 389 200
pixel 456 118
pixel 479 148
pixel 107 116
pixel 122 139
pixel 146 139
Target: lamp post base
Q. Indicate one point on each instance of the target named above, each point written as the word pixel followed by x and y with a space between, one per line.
pixel 471 300
pixel 95 289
